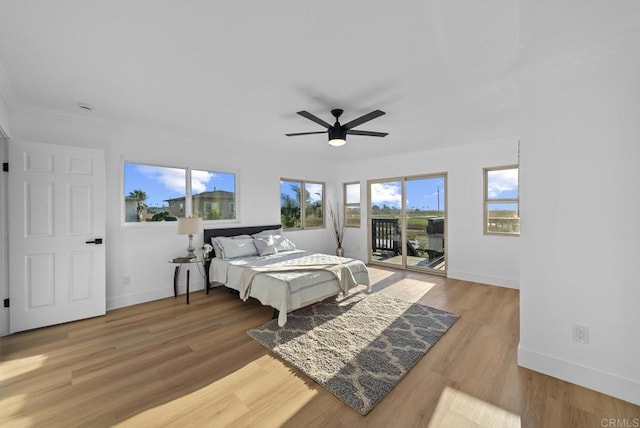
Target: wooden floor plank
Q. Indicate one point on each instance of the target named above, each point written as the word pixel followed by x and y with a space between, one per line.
pixel 165 363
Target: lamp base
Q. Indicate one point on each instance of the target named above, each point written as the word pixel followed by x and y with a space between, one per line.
pixel 190 248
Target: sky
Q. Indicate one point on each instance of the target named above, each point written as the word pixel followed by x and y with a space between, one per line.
pixel 502 183
pixel 429 193
pixel 314 189
pixel 422 194
pixel 161 183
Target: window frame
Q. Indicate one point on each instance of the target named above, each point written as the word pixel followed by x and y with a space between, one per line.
pixel 303 202
pixel 487 201
pixel 188 194
pixel 351 205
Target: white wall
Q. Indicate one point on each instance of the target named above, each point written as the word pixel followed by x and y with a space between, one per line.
pixel 472 255
pixel 580 234
pixel 4 117
pixel 142 251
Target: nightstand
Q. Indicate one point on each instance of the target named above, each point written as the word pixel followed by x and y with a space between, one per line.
pixel 199 261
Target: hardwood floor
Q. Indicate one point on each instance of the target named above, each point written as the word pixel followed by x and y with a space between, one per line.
pixel 165 363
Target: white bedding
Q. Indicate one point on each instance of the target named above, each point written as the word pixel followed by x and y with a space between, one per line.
pixel 287 290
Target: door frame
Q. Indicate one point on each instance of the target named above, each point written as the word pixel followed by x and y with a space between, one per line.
pixel 403 221
pixel 4 235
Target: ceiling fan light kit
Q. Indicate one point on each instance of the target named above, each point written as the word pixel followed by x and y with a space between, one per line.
pixel 337 132
pixel 337 142
pixel 337 136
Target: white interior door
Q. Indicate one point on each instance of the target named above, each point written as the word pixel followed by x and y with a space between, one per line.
pixel 56 228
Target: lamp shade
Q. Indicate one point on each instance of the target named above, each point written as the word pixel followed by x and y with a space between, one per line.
pixel 189 225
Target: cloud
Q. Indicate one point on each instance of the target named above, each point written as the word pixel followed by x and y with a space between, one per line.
pixel 315 191
pixel 502 183
pixel 353 193
pixel 386 193
pixel 199 180
pixel 173 179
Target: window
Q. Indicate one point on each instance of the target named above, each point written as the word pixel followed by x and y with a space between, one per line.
pixel 213 195
pixel 407 222
pixel 301 204
pixel 158 193
pixel 501 201
pixel 352 204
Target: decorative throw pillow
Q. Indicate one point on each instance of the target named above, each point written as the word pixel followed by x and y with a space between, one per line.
pixel 281 242
pixel 263 234
pixel 264 245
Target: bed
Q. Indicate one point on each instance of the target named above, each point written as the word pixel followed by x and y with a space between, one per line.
pixel 283 277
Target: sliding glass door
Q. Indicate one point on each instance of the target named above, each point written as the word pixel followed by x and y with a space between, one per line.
pixel 425 220
pixel 385 224
pixel 407 222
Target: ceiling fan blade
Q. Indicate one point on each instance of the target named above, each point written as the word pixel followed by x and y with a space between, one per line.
pixel 316 119
pixel 305 133
pixel 369 133
pixel 362 119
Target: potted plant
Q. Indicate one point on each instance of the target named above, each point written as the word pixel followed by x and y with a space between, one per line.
pixel 337 229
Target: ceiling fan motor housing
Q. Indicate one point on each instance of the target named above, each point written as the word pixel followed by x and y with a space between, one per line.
pixel 337 133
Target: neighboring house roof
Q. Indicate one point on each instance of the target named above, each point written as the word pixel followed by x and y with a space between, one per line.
pixel 214 194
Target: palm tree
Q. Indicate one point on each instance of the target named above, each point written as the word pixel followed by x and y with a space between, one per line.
pixel 289 211
pixel 140 196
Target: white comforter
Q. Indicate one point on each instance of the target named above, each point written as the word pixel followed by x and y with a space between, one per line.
pixel 293 283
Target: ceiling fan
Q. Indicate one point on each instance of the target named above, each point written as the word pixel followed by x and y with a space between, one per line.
pixel 337 132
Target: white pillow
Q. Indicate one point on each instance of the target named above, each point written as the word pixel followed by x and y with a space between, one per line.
pixel 263 234
pixel 216 248
pixel 281 243
pixel 236 247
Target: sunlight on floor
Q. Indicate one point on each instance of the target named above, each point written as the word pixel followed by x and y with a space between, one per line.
pixel 11 405
pixel 382 274
pixel 409 290
pixel 456 409
pixel 13 368
pixel 263 377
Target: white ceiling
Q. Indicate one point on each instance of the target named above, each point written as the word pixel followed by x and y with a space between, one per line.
pixel 236 72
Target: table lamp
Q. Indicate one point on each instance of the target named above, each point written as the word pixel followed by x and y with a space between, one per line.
pixel 190 226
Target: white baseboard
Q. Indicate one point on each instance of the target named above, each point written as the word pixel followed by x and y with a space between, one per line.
pixel 484 279
pixel 589 377
pixel 150 295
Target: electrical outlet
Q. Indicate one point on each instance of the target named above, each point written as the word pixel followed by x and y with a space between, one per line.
pixel 126 280
pixel 581 334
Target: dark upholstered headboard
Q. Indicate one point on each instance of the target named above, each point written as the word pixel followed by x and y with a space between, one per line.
pixel 234 231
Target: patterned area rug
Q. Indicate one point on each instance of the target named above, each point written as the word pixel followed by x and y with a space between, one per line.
pixel 358 347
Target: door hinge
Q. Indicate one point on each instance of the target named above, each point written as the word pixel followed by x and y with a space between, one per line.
pixel 6 302
pixel 5 167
